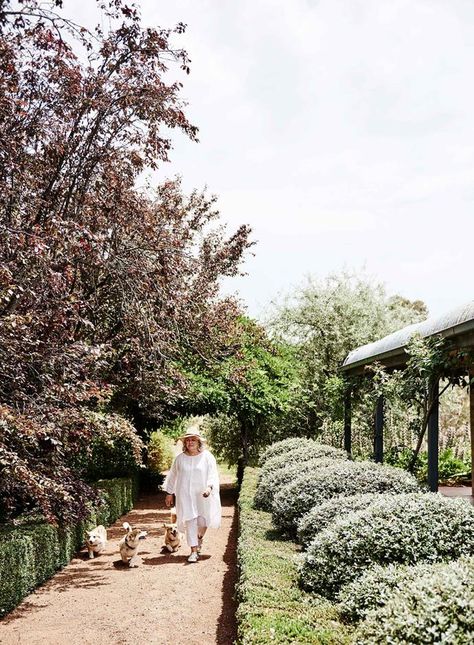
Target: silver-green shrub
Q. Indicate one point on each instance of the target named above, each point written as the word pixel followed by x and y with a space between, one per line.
pixel 404 529
pixel 437 606
pixel 284 447
pixel 338 480
pixel 319 517
pixel 282 469
pixel 375 587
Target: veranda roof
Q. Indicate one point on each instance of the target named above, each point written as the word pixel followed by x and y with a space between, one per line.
pixel 390 351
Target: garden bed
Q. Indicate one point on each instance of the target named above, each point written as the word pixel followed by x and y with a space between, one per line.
pixel 272 607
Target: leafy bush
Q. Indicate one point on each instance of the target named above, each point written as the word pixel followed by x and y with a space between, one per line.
pixel 35 467
pixel 340 479
pixel 281 469
pixel 114 449
pixel 375 586
pixel 160 452
pixel 405 529
pixel 285 446
pixel 437 606
pixel 319 517
pixel 449 466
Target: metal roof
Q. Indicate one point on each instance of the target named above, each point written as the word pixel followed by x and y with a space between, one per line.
pixel 390 350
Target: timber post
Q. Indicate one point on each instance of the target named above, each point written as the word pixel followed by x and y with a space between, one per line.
pixel 378 434
pixel 433 437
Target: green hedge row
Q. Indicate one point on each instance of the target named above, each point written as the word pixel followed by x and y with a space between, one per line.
pixel 272 608
pixel 32 552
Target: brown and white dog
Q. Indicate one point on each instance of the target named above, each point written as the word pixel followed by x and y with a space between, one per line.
pixel 96 540
pixel 128 545
pixel 172 537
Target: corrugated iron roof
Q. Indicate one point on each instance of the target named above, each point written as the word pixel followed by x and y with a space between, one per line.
pixel 454 323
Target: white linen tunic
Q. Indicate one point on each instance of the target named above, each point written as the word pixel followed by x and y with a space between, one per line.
pixel 188 478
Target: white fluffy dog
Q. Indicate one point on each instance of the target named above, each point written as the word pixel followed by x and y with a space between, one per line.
pixel 96 540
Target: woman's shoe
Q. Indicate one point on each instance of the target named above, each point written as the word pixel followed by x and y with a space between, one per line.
pixel 193 557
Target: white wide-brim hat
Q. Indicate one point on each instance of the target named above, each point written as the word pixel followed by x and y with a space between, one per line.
pixel 192 432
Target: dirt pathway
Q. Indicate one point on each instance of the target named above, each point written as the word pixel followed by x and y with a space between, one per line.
pixel 164 600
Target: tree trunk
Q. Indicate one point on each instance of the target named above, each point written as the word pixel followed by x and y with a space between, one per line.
pixel 244 453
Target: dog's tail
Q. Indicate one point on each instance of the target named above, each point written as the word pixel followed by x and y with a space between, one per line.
pixel 127 526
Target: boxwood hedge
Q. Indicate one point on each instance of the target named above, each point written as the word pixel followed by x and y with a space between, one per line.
pixel 33 550
pixel 435 606
pixel 338 480
pixel 405 529
pixel 283 469
pixel 375 587
pixel 319 517
pixel 284 447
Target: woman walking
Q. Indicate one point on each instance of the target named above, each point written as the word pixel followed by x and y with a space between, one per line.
pixel 194 481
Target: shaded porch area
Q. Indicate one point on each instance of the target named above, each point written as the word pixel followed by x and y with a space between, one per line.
pixel 390 352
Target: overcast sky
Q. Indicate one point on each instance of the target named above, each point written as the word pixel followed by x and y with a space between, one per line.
pixel 342 131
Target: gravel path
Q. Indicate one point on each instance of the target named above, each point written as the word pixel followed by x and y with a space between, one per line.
pixel 164 600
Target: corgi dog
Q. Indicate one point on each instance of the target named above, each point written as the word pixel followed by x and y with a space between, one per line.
pixel 96 540
pixel 172 537
pixel 128 545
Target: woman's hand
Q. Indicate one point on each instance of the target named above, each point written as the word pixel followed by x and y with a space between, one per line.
pixel 207 492
pixel 169 500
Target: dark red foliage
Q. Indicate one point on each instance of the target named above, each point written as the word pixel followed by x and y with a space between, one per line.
pixel 103 287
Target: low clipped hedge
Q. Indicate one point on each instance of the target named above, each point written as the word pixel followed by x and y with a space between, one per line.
pixel 286 446
pixel 319 517
pixel 405 529
pixel 338 480
pixel 32 551
pixel 434 606
pixel 272 607
pixel 374 588
pixel 282 470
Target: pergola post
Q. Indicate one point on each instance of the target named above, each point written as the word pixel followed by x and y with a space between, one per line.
pixel 433 438
pixel 347 420
pixel 378 430
pixel 471 418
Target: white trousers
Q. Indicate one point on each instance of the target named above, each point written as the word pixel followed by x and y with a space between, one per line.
pixel 192 529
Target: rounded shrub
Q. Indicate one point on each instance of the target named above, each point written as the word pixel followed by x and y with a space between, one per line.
pixel 282 469
pixel 404 529
pixel 437 606
pixel 319 517
pixel 375 586
pixel 340 479
pixel 284 447
pixel 273 482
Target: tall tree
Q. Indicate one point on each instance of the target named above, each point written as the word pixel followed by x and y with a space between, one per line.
pixel 327 319
pixel 104 286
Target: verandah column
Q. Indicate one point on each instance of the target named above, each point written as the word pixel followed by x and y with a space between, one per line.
pixel 378 430
pixel 347 420
pixel 433 438
pixel 471 418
